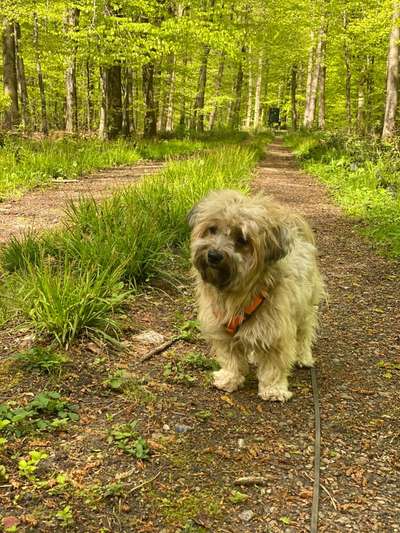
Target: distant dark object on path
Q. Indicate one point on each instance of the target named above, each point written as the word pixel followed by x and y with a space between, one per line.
pixel 274 117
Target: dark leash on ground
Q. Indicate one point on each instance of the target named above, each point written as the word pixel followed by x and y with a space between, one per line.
pixel 317 453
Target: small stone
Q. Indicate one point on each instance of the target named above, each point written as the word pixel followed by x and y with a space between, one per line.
pixel 241 444
pixel 149 337
pixel 166 427
pixel 182 428
pixel 246 516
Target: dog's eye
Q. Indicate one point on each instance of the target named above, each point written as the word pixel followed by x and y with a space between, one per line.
pixel 212 230
pixel 241 240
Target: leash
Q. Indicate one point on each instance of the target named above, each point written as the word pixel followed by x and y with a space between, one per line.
pixel 317 453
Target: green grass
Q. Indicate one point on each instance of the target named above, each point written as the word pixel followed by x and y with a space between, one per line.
pixel 26 163
pixel 363 177
pixel 73 280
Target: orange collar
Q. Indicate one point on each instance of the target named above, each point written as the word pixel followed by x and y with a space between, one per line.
pixel 234 324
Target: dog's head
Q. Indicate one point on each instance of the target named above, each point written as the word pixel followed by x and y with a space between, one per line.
pixel 235 238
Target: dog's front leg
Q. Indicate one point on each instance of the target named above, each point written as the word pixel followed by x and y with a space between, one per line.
pixel 234 366
pixel 273 369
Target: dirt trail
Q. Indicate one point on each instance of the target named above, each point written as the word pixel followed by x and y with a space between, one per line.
pixel 203 440
pixel 358 355
pixel 43 208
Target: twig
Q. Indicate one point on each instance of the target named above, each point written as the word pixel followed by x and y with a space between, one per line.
pixel 159 349
pixel 333 501
pixel 252 480
pixel 137 487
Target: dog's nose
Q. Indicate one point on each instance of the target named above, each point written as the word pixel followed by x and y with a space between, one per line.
pixel 214 257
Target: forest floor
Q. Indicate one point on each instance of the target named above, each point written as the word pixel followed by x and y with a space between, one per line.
pixel 201 440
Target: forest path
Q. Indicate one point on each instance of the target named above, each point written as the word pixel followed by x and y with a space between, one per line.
pixel 43 208
pixel 358 353
pixel 203 440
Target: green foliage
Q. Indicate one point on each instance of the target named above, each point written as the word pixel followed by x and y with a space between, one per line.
pixel 70 282
pixel 28 467
pixel 238 497
pixel 46 412
pixel 65 517
pixel 199 361
pixel 175 372
pixel 25 164
pixel 363 177
pixel 127 438
pixel 65 302
pixel 42 359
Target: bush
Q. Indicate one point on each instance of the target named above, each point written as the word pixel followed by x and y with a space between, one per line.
pixel 362 175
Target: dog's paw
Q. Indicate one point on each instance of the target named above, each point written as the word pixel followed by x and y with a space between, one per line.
pixel 305 363
pixel 275 393
pixel 227 381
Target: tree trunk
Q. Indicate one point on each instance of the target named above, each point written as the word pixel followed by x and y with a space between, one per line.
pixel 293 89
pixel 217 91
pixel 321 88
pixel 389 123
pixel 150 117
pixel 347 62
pixel 43 105
pixel 234 120
pixel 310 70
pixel 22 87
pixel 104 104
pixel 89 96
pixel 309 118
pixel 128 124
pixel 197 122
pixel 361 124
pixel 257 98
pixel 114 93
pixel 11 118
pixel 249 96
pixel 182 111
pixel 169 114
pixel 71 110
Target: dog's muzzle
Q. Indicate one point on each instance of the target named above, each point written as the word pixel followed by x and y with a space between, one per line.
pixel 214 267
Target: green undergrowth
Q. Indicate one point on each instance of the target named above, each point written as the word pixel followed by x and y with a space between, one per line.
pixel 74 280
pixel 363 177
pixel 27 163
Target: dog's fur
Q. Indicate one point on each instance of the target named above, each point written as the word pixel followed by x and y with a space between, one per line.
pixel 264 247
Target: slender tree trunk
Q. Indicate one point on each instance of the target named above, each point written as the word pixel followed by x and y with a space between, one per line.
pixel 104 104
pixel 150 117
pixel 234 120
pixel 321 98
pixel 217 91
pixel 293 90
pixel 198 107
pixel 309 119
pixel 257 98
pixel 389 123
pixel 361 124
pixel 128 124
pixel 370 91
pixel 310 70
pixel 114 87
pixel 169 114
pixel 71 110
pixel 321 87
pixel 89 96
pixel 11 118
pixel 22 87
pixel 249 96
pixel 347 61
pixel 43 104
pixel 182 111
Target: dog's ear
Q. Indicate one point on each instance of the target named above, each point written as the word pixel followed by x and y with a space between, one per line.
pixel 191 217
pixel 278 242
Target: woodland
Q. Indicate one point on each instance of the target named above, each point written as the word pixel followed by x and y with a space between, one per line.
pixel 116 117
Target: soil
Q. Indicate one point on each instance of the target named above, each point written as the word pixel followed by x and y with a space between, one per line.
pixel 202 440
pixel 44 208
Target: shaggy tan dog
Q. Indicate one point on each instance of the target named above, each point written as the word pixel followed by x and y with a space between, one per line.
pixel 258 288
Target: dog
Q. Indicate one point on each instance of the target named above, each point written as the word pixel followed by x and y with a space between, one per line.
pixel 258 288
